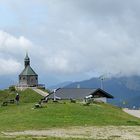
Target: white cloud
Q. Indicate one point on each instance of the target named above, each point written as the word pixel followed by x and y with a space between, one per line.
pixel 77 37
pixel 9 66
pixel 12 44
pixel 11 50
pixel 93 36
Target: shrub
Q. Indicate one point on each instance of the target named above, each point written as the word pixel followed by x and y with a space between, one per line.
pixel 12 88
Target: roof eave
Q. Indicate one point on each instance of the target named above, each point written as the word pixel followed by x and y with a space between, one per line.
pixel 107 94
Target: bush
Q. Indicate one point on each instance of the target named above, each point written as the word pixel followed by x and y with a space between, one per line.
pixel 12 88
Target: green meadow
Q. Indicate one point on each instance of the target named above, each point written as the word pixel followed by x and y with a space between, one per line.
pixel 57 115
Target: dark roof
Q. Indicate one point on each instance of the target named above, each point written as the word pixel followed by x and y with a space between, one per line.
pixel 104 93
pixel 78 93
pixel 28 71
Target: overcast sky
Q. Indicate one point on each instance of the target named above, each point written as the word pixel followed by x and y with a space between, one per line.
pixel 70 40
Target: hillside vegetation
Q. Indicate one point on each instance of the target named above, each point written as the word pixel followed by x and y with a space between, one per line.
pixel 26 96
pixel 62 114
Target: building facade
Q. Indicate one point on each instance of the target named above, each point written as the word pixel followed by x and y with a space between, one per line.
pixel 28 77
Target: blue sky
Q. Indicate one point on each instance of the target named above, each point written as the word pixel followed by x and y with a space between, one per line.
pixel 69 40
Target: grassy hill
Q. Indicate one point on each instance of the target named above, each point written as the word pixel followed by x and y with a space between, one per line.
pixel 62 114
pixel 26 96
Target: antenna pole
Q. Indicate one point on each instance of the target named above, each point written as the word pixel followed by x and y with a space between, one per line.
pixel 54 97
pixel 102 83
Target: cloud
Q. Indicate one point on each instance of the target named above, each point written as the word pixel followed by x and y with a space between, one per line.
pixel 98 36
pixel 11 50
pixel 12 44
pixel 76 38
pixel 9 66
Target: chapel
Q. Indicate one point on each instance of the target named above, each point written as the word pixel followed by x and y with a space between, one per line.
pixel 28 77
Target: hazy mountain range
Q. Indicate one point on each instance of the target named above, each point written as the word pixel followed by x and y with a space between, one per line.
pixel 126 90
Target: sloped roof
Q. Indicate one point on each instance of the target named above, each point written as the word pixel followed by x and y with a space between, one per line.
pixel 78 93
pixel 28 71
pixel 104 93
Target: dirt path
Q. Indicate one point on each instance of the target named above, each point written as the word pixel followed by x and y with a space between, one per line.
pixel 94 132
pixel 135 113
pixel 41 92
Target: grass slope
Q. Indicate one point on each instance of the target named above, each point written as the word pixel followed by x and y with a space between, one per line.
pixel 64 114
pixel 26 96
pixel 4 94
pixel 29 96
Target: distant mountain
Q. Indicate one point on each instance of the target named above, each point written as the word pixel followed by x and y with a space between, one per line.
pixel 126 90
pixel 60 85
pixel 6 81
